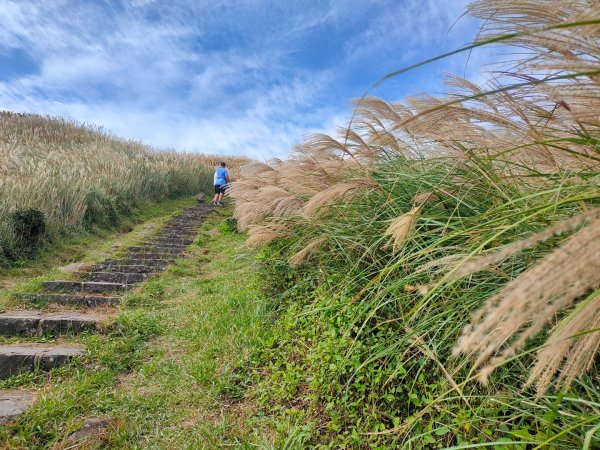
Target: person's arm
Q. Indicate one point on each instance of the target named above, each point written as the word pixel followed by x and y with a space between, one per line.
pixel 227 176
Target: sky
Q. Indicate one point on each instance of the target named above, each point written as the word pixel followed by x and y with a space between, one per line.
pixel 231 77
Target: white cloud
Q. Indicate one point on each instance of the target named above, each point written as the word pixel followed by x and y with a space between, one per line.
pixel 166 74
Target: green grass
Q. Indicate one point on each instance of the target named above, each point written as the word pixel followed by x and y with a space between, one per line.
pixel 360 358
pixel 86 247
pixel 172 370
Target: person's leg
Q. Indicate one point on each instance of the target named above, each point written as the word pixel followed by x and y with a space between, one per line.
pixel 221 195
pixel 217 192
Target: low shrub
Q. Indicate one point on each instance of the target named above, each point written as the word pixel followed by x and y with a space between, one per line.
pixel 29 229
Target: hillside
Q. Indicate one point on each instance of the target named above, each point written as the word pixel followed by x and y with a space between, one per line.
pixel 58 176
pixel 436 265
pixel 426 278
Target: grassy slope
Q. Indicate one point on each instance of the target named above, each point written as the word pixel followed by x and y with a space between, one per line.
pixel 84 246
pixel 71 177
pixel 361 359
pixel 168 371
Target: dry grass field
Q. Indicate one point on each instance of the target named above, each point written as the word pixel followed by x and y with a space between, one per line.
pixel 67 176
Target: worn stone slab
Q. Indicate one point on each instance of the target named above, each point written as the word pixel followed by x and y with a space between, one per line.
pixel 118 277
pixel 170 242
pixel 92 428
pixel 63 285
pixel 20 358
pixel 183 226
pixel 180 228
pixel 74 267
pixel 155 256
pixel 157 249
pixel 189 227
pixel 179 224
pixel 167 243
pixel 19 323
pixel 35 323
pixel 85 286
pixel 178 241
pixel 67 322
pixel 140 268
pixel 14 402
pixel 177 236
pixel 91 301
pixel 134 261
pixel 182 223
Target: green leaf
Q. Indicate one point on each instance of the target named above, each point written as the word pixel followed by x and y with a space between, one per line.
pixel 442 431
pixel 523 433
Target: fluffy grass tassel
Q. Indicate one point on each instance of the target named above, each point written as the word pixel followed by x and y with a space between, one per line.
pixel 401 228
pixel 524 306
pixel 300 256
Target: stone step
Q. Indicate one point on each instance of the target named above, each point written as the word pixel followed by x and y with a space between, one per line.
pixel 146 269
pixel 35 323
pixel 179 240
pixel 187 223
pixel 91 301
pixel 173 239
pixel 150 249
pixel 184 223
pixel 86 286
pixel 14 402
pixel 21 358
pixel 152 256
pixel 135 261
pixel 185 220
pixel 176 237
pixel 182 245
pixel 190 227
pixel 118 277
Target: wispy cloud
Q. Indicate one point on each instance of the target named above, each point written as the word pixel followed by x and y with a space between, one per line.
pixel 223 76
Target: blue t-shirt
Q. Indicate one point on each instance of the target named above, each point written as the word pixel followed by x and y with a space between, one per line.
pixel 221 175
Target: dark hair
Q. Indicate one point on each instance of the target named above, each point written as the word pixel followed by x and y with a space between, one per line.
pixel 223 164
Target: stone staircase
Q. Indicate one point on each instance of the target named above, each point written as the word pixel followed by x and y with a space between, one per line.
pixel 100 286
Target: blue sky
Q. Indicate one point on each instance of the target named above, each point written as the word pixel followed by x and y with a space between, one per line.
pixel 222 76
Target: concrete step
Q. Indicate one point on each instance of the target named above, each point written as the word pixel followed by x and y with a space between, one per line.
pixel 182 245
pixel 118 277
pixel 156 249
pixel 145 269
pixel 14 402
pixel 35 323
pixel 90 301
pixel 21 358
pixel 152 256
pixel 135 261
pixel 86 286
pixel 189 224
pixel 179 240
pixel 191 228
pixel 176 236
